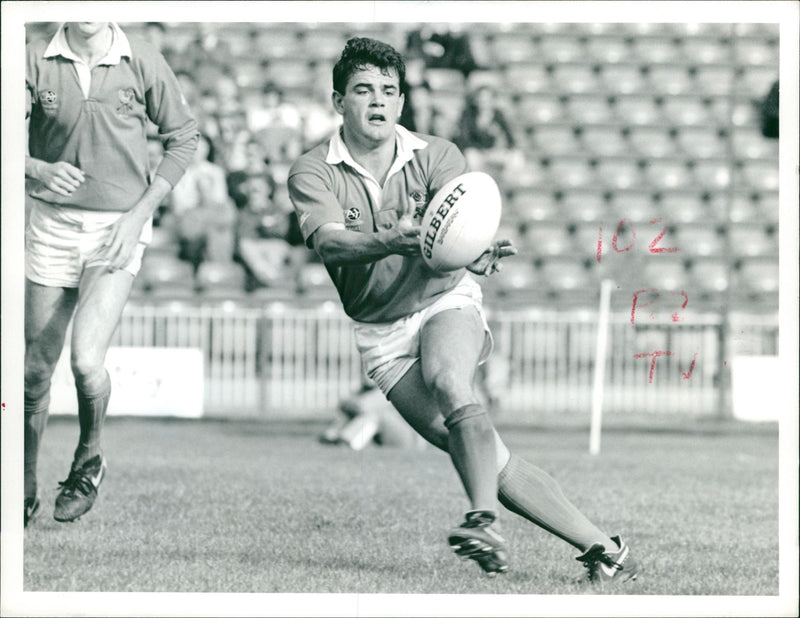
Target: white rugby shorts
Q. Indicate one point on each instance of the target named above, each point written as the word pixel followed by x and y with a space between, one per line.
pixel 60 242
pixel 388 350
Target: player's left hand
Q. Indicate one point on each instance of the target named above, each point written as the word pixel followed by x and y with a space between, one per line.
pixel 489 261
pixel 122 241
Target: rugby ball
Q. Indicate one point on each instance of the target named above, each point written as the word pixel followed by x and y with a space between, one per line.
pixel 460 221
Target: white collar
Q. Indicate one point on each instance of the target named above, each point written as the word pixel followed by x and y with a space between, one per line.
pixel 120 46
pixel 405 145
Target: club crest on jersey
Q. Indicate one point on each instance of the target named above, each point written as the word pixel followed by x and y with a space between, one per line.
pixel 49 101
pixel 420 202
pixel 353 218
pixel 126 96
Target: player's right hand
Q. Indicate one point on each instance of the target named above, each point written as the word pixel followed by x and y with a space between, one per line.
pixel 61 177
pixel 406 241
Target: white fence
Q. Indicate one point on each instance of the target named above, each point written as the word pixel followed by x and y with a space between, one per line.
pixel 281 360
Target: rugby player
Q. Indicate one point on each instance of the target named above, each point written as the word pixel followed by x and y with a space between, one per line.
pixel 90 196
pixel 422 334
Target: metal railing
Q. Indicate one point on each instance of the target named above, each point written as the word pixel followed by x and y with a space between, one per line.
pixel 280 360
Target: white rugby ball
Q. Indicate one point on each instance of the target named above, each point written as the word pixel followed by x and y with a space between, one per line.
pixel 460 221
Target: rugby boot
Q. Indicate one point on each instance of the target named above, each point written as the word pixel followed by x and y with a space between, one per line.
pixel 31 509
pixel 607 567
pixel 478 540
pixel 79 491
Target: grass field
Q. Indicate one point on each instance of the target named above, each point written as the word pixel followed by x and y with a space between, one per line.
pixel 196 506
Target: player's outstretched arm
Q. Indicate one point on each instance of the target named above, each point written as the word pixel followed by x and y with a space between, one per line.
pixel 338 246
pixel 489 261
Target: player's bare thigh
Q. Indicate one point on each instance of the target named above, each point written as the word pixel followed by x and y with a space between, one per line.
pixel 48 311
pixel 451 343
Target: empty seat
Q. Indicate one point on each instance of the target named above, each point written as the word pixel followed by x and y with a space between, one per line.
pixel 589 109
pixel 759 174
pixel 619 173
pixel 533 204
pixel 701 142
pixel 583 205
pixel 755 81
pixel 758 276
pixel 513 47
pixel 668 174
pixel 555 140
pixel 686 110
pixel 220 277
pixel 768 206
pixel 652 142
pixel 749 143
pixel 757 29
pixel 710 275
pixel 714 79
pixel 654 49
pixel 608 49
pixel 623 79
pixel 712 174
pixel 699 240
pixel 670 79
pixel 166 271
pixel 683 206
pixel 560 48
pixel 313 281
pixel 634 205
pixel 322 44
pixel 743 208
pixel 567 275
pixel 705 50
pixel 280 42
pixel 528 77
pixel 636 110
pixel 287 73
pixel 604 141
pixel 571 172
pixel 575 78
pixel 747 239
pixel 539 108
pixel 757 51
pixel 445 79
pixel 665 272
pixel 547 239
pixel 517 278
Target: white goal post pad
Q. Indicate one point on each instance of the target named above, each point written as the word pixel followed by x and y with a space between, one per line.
pixel 144 382
pixel 756 389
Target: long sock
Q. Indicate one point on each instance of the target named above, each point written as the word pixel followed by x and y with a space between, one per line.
pixel 531 493
pixel 36 408
pixel 91 416
pixel 472 450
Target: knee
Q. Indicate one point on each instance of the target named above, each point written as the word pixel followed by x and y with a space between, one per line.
pixel 88 369
pixel 450 388
pixel 38 373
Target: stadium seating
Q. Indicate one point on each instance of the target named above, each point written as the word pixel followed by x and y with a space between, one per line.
pixel 670 79
pixel 709 276
pixel 634 205
pixel 588 109
pixel 618 173
pixel 636 109
pixel 666 272
pixel 527 77
pixel 652 141
pixel 681 111
pixel 539 108
pixel 751 240
pixel 700 240
pixel 547 239
pixel 558 48
pixel 608 49
pixel 622 79
pixel 575 78
pixel 529 205
pixel 701 142
pixel 162 273
pixel 683 206
pixel 760 175
pixel 583 205
pixel 554 140
pixel 667 174
pixel 758 280
pixel 315 282
pixel 570 172
pixel 604 141
pixel 714 79
pixel 220 279
pixel 712 174
pixel 655 49
pixel 704 50
pixel 749 143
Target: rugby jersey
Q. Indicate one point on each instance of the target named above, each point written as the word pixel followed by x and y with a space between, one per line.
pixel 327 185
pixel 104 133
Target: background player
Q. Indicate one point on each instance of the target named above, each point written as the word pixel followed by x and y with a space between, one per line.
pixel 91 92
pixel 422 334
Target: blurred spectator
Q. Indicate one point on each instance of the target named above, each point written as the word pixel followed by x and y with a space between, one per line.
pixel 273 111
pixel 202 214
pixel 419 114
pixel 262 230
pixel 770 112
pixel 320 119
pixel 441 46
pixel 485 135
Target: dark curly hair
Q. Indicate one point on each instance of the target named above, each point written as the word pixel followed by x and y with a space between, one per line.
pixel 360 52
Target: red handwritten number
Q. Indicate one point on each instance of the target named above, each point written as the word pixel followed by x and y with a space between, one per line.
pixel 653 248
pixel 675 316
pixel 600 244
pixel 636 302
pixel 616 237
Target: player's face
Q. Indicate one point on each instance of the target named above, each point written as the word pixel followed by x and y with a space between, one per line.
pixel 87 29
pixel 370 105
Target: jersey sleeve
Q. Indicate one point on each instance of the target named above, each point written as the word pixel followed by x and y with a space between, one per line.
pixel 313 200
pixel 445 164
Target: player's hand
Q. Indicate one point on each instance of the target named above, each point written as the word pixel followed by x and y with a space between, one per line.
pixel 489 261
pixel 407 240
pixel 121 243
pixel 61 177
